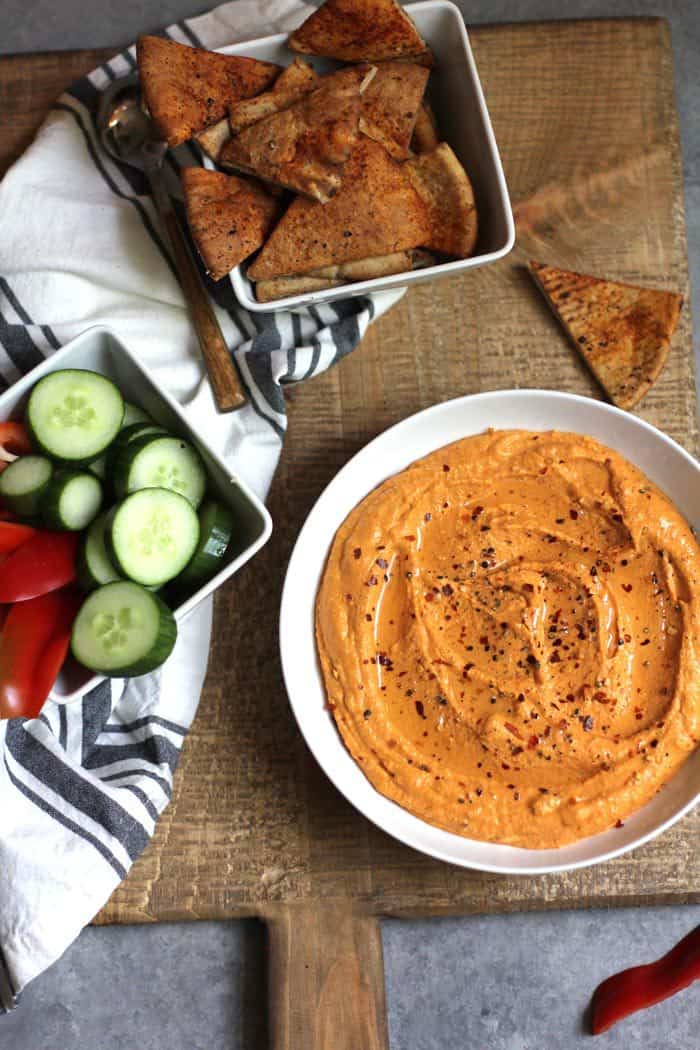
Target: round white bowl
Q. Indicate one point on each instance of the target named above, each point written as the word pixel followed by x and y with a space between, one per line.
pixel 664 461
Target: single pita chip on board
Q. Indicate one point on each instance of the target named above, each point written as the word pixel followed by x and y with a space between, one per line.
pixel 304 147
pixel 283 287
pixel 292 84
pixel 186 88
pixel 376 212
pixel 391 103
pixel 425 133
pixel 229 217
pixel 361 31
pixel 444 185
pixel 622 331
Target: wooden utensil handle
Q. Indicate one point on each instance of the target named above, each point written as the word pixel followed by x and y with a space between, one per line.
pixel 326 979
pixel 225 381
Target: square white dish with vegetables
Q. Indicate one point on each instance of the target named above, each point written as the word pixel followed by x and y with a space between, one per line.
pixel 113 504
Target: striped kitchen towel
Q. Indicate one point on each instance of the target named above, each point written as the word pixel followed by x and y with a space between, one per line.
pixel 82 786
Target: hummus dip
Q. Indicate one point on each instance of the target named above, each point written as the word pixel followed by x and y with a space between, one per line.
pixel 509 632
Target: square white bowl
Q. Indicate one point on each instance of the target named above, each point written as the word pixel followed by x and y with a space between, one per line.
pixel 100 350
pixel 454 91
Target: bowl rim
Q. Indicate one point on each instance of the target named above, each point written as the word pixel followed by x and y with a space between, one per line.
pixel 289 658
pixel 241 284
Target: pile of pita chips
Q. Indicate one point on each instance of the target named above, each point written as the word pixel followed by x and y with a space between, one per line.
pixel 361 31
pixel 622 331
pixel 374 191
pixel 229 217
pixel 305 146
pixel 186 89
pixel 376 212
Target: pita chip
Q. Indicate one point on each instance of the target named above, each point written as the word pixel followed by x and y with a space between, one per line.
pixel 361 31
pixel 335 276
pixel 292 84
pixel 376 212
pixel 186 88
pixel 425 133
pixel 213 139
pixel 304 147
pixel 229 217
pixel 444 186
pixel 391 103
pixel 623 332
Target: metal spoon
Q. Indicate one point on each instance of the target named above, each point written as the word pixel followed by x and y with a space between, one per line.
pixel 128 134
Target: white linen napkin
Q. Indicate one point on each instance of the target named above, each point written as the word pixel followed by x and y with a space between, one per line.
pixel 82 786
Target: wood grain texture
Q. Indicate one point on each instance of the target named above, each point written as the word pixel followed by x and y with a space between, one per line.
pixel 325 978
pixel 585 119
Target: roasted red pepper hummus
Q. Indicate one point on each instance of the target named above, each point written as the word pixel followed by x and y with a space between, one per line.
pixel 509 632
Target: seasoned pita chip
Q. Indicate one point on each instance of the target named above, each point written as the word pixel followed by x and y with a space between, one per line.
pixel 390 105
pixel 444 186
pixel 229 217
pixel 213 139
pixel 305 146
pixel 292 84
pixel 425 133
pixel 335 276
pixel 376 212
pixel 623 332
pixel 361 31
pixel 282 287
pixel 186 89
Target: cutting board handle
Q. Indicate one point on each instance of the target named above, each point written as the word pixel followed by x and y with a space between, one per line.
pixel 326 979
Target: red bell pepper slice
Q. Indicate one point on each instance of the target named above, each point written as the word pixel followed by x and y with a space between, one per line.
pixel 33 629
pixel 13 535
pixel 14 442
pixel 44 563
pixel 641 986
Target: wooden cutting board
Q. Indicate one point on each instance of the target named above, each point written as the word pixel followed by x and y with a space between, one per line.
pixel 585 119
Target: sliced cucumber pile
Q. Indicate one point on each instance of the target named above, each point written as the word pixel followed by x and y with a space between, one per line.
pixel 160 530
pixel 23 483
pixel 153 535
pixel 72 500
pixel 157 461
pixel 215 529
pixel 122 630
pixel 73 415
pixel 94 566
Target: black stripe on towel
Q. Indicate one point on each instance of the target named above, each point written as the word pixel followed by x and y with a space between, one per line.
pixel 78 792
pixel 46 807
pixel 148 720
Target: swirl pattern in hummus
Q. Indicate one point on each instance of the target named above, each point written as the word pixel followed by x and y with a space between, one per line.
pixel 509 633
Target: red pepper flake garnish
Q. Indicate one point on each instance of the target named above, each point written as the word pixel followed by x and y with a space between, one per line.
pixel 476 512
pixel 647 641
pixel 504 765
pixel 357 552
pixel 429 597
pixel 528 587
pixel 420 709
pixel 573 514
pixel 382 563
pixel 428 516
pixel 367 713
pixel 594 571
pixel 372 581
pixel 410 538
pixel 627 587
pixel 445 467
pixel 513 729
pixel 368 617
pixel 555 658
pixel 448 590
pixel 533 742
pixel 587 723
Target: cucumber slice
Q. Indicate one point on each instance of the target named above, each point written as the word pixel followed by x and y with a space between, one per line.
pixel 154 461
pixel 153 535
pixel 215 528
pixel 134 414
pixel 126 436
pixel 72 500
pixel 23 484
pixel 94 566
pixel 123 630
pixel 73 415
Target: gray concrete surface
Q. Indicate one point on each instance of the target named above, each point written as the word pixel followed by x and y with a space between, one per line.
pixel 502 983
